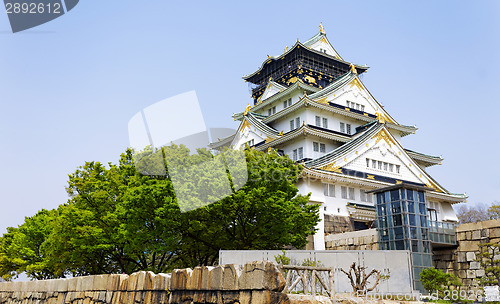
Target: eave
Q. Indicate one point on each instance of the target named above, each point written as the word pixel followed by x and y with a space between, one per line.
pixel 424 159
pixel 342 178
pixel 304 130
pixel 297 45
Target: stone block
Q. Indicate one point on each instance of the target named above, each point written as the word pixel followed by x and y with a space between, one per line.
pixel 460 236
pixel 261 275
pixel 87 283
pixel 216 278
pixel 132 281
pixel 491 224
pixel 194 280
pixel 205 277
pixel 350 241
pixel 494 233
pixel 162 281
pixel 485 233
pixel 476 234
pixel 471 274
pixel 461 257
pixel 475 265
pixel 141 276
pixel 230 276
pixel 179 278
pixel 109 296
pixel 468 246
pixel 123 283
pixel 480 273
pixel 468 235
pixel 471 256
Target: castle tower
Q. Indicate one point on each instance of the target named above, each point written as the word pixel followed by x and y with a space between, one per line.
pixel 311 105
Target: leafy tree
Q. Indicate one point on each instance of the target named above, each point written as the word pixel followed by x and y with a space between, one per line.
pixel 489 256
pixel 125 217
pixel 22 249
pixel 435 280
pixel 494 211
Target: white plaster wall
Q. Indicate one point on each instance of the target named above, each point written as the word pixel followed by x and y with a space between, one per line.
pixel 448 214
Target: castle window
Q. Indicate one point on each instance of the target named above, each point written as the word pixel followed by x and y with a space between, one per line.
pixel 365 197
pixel 351 193
pixel 397 168
pixel 287 103
pixel 343 192
pixel 297 122
pixel 315 147
pixel 325 123
pixel 348 128
pixel 342 127
pixel 374 164
pixel 294 155
pixel 322 148
pixel 368 163
pixel 329 190
pixel 318 121
pixel 292 125
pixel 301 153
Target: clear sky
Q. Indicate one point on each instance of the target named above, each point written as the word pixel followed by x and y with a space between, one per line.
pixel 69 87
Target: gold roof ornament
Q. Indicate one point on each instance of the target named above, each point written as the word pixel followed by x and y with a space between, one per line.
pixel 321 28
pixel 380 117
pixel 281 133
pixel 269 150
pixel 247 109
pixel 353 68
pixel 286 49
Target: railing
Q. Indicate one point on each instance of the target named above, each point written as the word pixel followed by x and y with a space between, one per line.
pixel 309 277
pixel 442 232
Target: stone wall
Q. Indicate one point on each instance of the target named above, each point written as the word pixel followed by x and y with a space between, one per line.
pixel 462 260
pixel 337 224
pixel 253 283
pixel 355 240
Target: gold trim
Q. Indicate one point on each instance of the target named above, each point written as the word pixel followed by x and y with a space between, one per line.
pixel 355 82
pixel 292 80
pixel 310 79
pixel 383 135
pixel 245 124
pixel 332 168
pixel 398 182
pixel 369 176
pixel 247 109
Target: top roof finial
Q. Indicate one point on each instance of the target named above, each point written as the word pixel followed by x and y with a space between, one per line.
pixel 321 28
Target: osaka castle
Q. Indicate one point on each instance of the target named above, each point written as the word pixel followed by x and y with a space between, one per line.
pixel 311 105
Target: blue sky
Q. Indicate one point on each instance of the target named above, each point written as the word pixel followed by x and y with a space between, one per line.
pixel 69 87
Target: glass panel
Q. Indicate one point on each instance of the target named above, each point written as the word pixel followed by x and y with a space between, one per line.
pixel 396 207
pixel 424 233
pixel 394 195
pixel 422 208
pixel 398 231
pixel 400 245
pixel 380 198
pixel 414 246
pixel 421 197
pixel 409 194
pixel 426 260
pixel 403 192
pixel 413 233
pixel 411 218
pixel 423 221
pixel 397 220
pixel 411 207
pixel 416 259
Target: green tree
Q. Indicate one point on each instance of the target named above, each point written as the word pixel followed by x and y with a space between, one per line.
pixel 489 257
pixel 22 248
pixel 125 217
pixel 435 280
pixel 494 211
